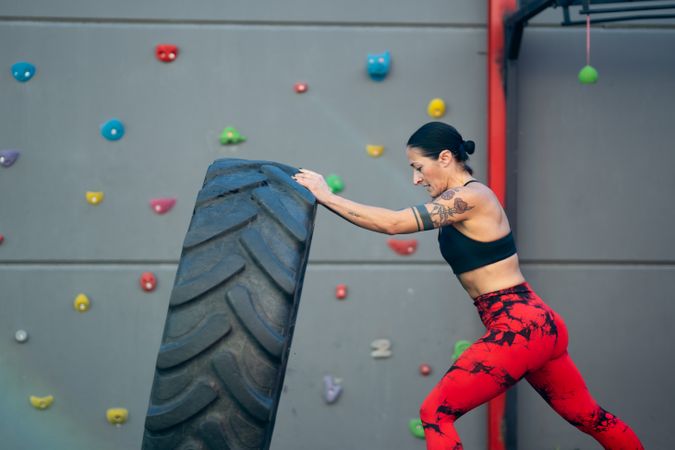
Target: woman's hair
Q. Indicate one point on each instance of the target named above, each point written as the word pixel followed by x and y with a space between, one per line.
pixel 434 137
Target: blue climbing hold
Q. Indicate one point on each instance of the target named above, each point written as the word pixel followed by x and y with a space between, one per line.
pixel 379 65
pixel 112 130
pixel 8 157
pixel 23 71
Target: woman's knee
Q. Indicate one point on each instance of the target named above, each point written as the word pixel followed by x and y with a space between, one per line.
pixel 434 410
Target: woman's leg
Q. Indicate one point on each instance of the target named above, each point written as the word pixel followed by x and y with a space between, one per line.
pixel 561 385
pixel 486 369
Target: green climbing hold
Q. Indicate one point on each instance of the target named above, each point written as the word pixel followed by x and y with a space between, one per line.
pixel 588 75
pixel 460 346
pixel 416 428
pixel 231 136
pixel 335 183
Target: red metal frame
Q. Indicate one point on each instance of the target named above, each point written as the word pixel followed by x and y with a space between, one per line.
pixel 497 9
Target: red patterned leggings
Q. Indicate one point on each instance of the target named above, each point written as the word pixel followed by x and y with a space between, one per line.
pixel 524 339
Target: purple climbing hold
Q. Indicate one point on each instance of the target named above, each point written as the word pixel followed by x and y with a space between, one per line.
pixel 8 157
pixel 331 389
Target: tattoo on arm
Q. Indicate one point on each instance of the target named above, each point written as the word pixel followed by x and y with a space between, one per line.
pixel 353 213
pixel 442 215
pixel 417 220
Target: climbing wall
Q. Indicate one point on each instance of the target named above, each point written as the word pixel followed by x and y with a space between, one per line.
pixel 110 115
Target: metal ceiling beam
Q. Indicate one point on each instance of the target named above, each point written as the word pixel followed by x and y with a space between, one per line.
pixel 515 23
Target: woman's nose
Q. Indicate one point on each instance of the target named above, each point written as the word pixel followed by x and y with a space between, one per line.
pixel 416 178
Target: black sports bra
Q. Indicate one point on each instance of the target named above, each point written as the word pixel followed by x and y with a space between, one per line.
pixel 465 254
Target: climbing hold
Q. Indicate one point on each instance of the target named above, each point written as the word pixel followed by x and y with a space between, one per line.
pixel 436 108
pixel 425 369
pixel 379 65
pixel 403 247
pixel 460 346
pixel 382 348
pixel 41 402
pixel 94 198
pixel 588 75
pixel 416 428
pixel 117 416
pixel 300 88
pixel 166 52
pixel 2 239
pixel 335 183
pixel 8 157
pixel 231 136
pixel 375 150
pixel 162 205
pixel 23 71
pixel 331 389
pixel 341 291
pixel 21 336
pixel 81 303
pixel 112 130
pixel 148 281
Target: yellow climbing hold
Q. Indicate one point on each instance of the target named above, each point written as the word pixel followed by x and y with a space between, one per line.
pixel 41 402
pixel 436 108
pixel 81 303
pixel 117 416
pixel 94 198
pixel 375 150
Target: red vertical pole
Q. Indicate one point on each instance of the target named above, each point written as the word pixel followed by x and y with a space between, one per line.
pixel 497 9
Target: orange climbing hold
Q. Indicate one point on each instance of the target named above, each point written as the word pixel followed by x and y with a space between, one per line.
pixel 403 247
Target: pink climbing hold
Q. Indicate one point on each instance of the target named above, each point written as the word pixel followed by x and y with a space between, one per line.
pixel 148 281
pixel 341 291
pixel 2 239
pixel 162 205
pixel 403 247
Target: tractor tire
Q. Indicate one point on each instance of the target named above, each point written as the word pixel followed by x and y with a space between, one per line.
pixel 221 364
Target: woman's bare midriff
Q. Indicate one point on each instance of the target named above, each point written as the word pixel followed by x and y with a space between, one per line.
pixel 493 277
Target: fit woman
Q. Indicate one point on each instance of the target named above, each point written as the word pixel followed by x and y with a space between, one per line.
pixel 525 338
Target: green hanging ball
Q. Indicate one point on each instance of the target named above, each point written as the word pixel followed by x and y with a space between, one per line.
pixel 588 75
pixel 335 183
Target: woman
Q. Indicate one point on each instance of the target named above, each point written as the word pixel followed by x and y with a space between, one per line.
pixel 525 338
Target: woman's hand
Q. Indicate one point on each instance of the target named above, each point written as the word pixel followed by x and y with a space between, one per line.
pixel 315 183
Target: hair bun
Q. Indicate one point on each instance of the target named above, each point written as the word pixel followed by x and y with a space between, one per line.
pixel 469 147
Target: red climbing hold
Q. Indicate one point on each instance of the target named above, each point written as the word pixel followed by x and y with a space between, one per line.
pixel 166 52
pixel 301 88
pixel 2 239
pixel 425 369
pixel 403 247
pixel 341 291
pixel 148 281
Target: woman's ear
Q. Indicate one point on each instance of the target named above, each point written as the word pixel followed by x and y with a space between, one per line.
pixel 445 158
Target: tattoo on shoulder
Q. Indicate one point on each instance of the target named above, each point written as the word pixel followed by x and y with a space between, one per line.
pixel 447 195
pixel 442 215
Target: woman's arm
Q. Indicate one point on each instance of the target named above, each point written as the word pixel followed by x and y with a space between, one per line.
pixel 447 208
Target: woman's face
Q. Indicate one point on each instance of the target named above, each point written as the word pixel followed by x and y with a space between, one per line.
pixel 427 172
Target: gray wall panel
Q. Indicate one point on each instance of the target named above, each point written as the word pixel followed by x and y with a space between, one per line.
pixel 174 113
pixel 620 323
pixel 422 310
pixel 595 162
pixel 103 358
pixel 349 11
